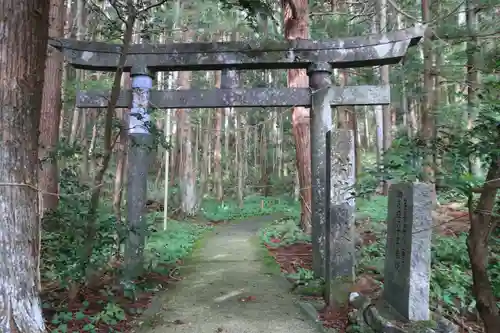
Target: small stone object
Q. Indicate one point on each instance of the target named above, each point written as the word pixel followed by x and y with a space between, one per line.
pixel 445 326
pixel 408 250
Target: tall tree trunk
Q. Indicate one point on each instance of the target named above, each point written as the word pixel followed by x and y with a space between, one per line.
pixel 23 47
pixel 384 79
pixel 366 129
pixel 264 176
pixel 246 133
pixel 121 156
pixel 91 227
pixel 255 145
pixel 94 120
pixel 81 29
pixel 174 142
pixel 427 119
pixel 84 116
pixel 342 111
pixel 378 111
pixel 437 161
pixel 296 22
pixel 187 174
pixel 227 134
pixel 68 71
pixel 408 119
pixel 48 180
pixel 168 138
pixel 483 223
pixel 412 114
pixel 242 168
pixel 357 143
pixel 379 142
pixel 280 144
pixel 217 145
pixel 196 165
pixel 472 76
pixel 239 158
pixel 206 150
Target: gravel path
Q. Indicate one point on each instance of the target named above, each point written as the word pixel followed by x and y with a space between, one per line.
pixel 227 290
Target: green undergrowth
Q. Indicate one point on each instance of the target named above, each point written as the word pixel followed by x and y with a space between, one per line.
pixel 213 210
pixel 176 242
pixel 107 310
pixel 107 305
pixel 302 276
pixel 451 280
pixel 285 231
pixel 282 232
pixel 374 209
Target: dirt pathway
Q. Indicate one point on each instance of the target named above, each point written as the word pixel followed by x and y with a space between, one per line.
pixel 227 290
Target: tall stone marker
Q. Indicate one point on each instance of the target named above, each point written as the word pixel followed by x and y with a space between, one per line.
pixel 339 222
pixel 408 250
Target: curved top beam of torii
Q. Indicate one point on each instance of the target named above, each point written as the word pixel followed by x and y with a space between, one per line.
pixel 371 50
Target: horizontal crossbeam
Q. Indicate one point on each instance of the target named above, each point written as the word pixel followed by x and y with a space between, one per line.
pixel 371 50
pixel 255 97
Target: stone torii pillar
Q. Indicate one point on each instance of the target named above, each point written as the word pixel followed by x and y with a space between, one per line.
pixel 139 156
pixel 321 123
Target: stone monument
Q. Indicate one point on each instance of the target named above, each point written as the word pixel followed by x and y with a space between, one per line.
pixel 408 250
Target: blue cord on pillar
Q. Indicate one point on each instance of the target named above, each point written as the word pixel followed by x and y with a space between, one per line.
pixel 142 83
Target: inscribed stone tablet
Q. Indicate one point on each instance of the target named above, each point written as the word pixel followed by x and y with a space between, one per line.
pixel 407 263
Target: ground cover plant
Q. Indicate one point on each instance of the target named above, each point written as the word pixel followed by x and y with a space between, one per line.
pixel 101 302
pixel 104 305
pixel 253 205
pixel 451 279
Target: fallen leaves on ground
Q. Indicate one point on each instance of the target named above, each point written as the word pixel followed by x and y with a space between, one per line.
pixel 291 257
pixel 336 318
pixel 103 307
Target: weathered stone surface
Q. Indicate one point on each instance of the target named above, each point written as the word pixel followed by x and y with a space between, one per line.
pixel 321 122
pixel 254 97
pixel 371 50
pixel 139 156
pixel 408 250
pixel 340 217
pixel 342 172
pixel 138 166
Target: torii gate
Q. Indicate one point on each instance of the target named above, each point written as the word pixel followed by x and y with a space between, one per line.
pixel 332 167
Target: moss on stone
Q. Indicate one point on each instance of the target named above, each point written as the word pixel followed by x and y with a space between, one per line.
pixel 421 326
